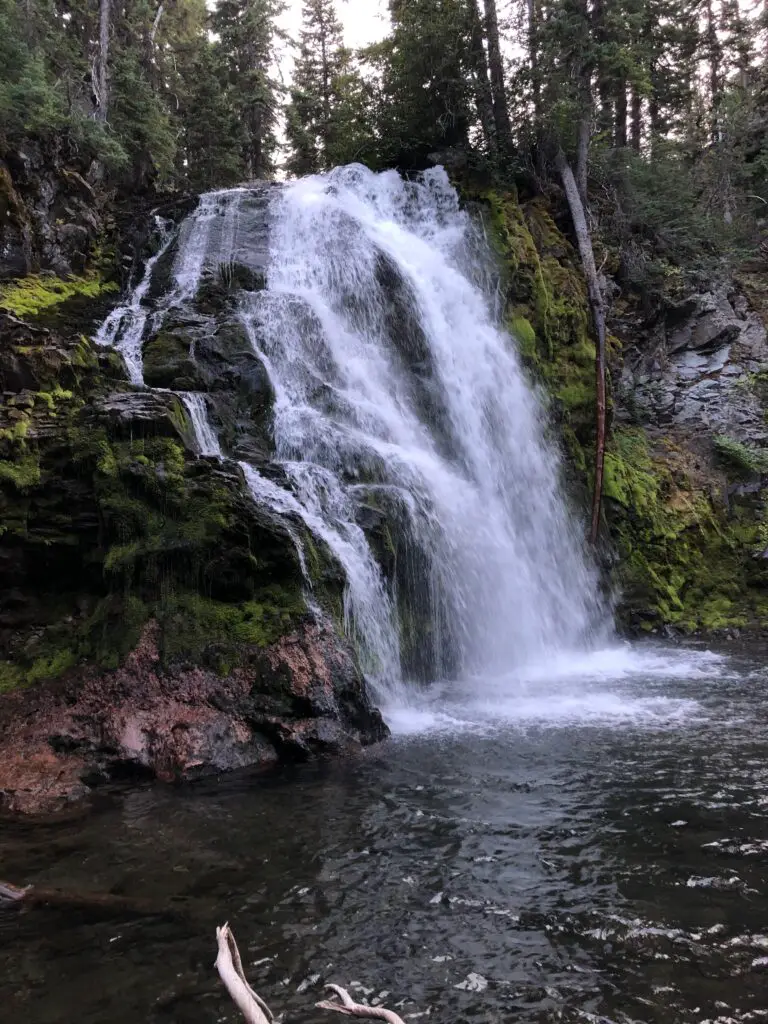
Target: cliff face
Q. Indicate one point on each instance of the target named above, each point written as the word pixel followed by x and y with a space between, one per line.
pixel 153 619
pixel 52 217
pixel 685 535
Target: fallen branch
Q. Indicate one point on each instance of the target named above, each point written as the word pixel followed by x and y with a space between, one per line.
pixel 33 895
pixel 255 1010
pixel 230 968
pixel 351 1008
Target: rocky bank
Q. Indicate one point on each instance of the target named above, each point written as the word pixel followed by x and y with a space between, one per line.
pixel 685 516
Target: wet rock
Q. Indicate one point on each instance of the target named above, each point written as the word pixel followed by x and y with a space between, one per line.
pixel 134 413
pixel 695 373
pixel 297 698
pixel 169 361
pixel 50 216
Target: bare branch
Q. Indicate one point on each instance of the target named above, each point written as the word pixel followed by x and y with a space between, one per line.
pixel 348 1006
pixel 230 968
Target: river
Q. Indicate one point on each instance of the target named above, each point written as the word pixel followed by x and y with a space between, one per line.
pixel 587 844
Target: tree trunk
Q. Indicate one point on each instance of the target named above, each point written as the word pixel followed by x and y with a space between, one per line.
pixel 156 25
pixel 579 218
pixel 102 59
pixel 636 120
pixel 582 157
pixel 714 56
pixel 533 61
pixel 483 93
pixel 498 87
pixel 620 136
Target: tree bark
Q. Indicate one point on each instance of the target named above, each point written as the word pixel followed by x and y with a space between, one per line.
pixel 620 136
pixel 582 157
pixel 636 120
pixel 102 60
pixel 498 86
pixel 596 302
pixel 483 93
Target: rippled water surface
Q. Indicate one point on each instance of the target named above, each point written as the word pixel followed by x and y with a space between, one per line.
pixel 588 842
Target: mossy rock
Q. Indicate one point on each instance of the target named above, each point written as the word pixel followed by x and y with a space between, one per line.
pixel 168 361
pixel 56 300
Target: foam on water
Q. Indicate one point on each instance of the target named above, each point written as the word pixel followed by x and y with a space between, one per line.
pixel 623 685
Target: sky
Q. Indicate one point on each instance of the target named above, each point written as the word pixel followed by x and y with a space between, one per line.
pixel 364 20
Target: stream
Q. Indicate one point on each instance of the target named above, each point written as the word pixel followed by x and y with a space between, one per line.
pixel 587 843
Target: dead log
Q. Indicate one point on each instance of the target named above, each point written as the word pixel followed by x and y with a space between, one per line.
pixel 255 1010
pixel 33 895
pixel 230 968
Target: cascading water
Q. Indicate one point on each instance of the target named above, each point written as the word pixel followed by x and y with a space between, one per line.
pixel 125 325
pixel 396 388
pixel 411 441
pixel 207 441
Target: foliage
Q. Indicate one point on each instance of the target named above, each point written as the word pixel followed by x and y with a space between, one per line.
pixel 248 34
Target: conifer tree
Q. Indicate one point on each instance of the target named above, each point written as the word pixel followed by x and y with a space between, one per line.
pixel 310 114
pixel 248 34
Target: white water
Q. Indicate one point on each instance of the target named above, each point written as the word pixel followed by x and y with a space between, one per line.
pixel 401 414
pixel 393 378
pixel 208 238
pixel 205 435
pixel 125 325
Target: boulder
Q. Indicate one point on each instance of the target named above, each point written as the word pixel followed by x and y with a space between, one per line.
pixel 297 698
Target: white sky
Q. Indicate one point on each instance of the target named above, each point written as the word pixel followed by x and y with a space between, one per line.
pixel 365 21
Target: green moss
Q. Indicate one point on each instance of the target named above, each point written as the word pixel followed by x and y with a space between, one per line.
pixel 17 432
pixel 193 625
pixel 547 310
pixel 22 473
pixel 168 362
pixel 683 560
pixel 740 458
pixel 32 295
pixel 522 330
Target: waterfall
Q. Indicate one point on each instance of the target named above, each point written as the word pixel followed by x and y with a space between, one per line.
pixel 125 325
pixel 396 388
pixel 407 436
pixel 205 435
pixel 208 239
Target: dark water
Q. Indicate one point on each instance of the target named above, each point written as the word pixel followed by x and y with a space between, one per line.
pixel 591 844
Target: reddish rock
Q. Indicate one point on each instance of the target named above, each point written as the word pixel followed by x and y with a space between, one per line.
pixel 301 697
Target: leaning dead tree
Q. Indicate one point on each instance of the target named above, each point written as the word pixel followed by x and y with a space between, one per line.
pixel 255 1010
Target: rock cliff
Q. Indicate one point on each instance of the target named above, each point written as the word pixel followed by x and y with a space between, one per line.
pixel 153 619
pixel 686 531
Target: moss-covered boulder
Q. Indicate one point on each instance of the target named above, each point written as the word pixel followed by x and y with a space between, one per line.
pixel 169 361
pixel 114 536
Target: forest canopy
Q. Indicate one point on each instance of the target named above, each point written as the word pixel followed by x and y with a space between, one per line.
pixel 659 105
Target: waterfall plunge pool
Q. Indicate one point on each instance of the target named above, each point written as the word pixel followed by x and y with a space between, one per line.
pixel 588 843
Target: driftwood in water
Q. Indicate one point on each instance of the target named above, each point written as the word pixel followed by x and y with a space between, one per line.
pixel 252 1006
pixel 230 968
pixel 32 895
pixel 347 1005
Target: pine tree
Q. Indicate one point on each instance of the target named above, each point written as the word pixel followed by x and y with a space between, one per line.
pixel 425 68
pixel 211 137
pixel 320 63
pixel 248 33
